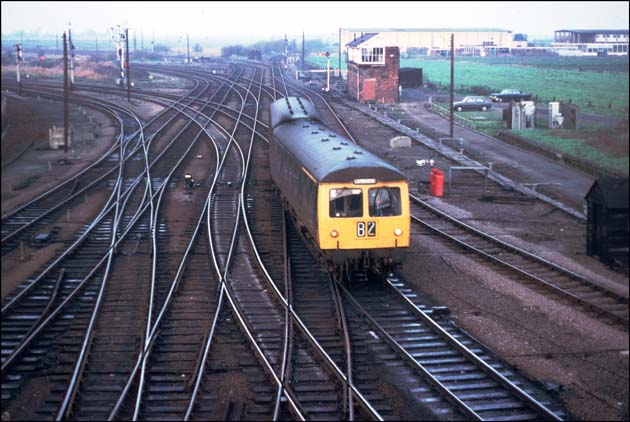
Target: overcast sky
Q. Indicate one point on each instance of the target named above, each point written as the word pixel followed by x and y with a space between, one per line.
pixel 270 20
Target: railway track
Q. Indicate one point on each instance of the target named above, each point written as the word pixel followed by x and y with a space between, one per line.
pixel 136 210
pixel 229 319
pixel 457 367
pixel 561 281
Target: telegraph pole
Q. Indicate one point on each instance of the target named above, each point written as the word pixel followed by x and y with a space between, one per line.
pixel 71 46
pixel 327 71
pixel 71 57
pixel 127 64
pixel 339 61
pixel 18 60
pixel 302 50
pixel 65 94
pixel 188 50
pixel 452 82
pixel 152 42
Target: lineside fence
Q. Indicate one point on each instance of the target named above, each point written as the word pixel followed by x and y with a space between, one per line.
pixel 443 111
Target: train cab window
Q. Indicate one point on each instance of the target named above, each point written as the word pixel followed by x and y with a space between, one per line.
pixel 384 202
pixel 346 203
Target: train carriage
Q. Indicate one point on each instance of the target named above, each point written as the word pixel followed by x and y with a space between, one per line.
pixel 353 205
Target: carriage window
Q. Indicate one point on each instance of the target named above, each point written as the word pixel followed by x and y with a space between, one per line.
pixel 384 202
pixel 346 203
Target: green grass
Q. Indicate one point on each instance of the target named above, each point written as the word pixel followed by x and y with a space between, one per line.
pixel 611 64
pixel 593 91
pixel 592 145
pixel 598 145
pixel 601 81
pixel 599 85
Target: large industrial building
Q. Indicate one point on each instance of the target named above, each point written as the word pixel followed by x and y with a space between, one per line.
pixel 584 42
pixel 438 41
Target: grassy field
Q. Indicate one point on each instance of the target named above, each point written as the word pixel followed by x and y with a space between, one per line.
pixel 603 89
pixel 599 85
pixel 593 83
pixel 595 145
pixel 599 145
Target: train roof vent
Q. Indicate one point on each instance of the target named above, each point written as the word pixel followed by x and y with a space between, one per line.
pixel 332 135
pixel 302 105
pixel 314 132
pixel 350 157
pixel 336 148
pixel 325 139
pixel 344 143
pixel 358 152
pixel 304 126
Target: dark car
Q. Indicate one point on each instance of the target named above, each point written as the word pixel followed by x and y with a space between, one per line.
pixel 472 103
pixel 508 95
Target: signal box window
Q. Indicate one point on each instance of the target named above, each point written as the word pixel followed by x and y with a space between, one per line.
pixel 372 55
pixel 346 203
pixel 384 202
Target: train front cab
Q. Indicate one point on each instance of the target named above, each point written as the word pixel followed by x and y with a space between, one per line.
pixel 364 216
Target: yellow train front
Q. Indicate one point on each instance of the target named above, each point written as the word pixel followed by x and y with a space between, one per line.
pixel 350 203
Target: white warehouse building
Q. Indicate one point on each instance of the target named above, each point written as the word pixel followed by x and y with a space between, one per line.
pixel 437 41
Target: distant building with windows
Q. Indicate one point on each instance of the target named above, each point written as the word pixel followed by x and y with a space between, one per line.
pixel 437 41
pixel 591 42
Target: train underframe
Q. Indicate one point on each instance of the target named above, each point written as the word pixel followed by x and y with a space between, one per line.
pixel 344 262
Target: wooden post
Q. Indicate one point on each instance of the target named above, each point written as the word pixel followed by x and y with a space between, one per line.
pixel 66 110
pixel 452 83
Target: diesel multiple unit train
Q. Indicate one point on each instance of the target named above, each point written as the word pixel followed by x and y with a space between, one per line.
pixel 351 205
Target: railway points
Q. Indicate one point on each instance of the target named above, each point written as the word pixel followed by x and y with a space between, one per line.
pixel 207 302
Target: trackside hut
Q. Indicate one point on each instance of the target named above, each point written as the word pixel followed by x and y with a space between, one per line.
pixel 607 220
pixel 373 63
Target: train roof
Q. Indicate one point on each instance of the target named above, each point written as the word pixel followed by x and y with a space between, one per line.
pixel 291 108
pixel 330 157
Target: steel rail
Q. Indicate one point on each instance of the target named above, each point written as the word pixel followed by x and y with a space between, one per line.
pixel 471 356
pixel 319 349
pixel 168 299
pixel 138 132
pixel 153 273
pixel 547 284
pixel 82 237
pixel 445 391
pixel 572 274
pixel 94 223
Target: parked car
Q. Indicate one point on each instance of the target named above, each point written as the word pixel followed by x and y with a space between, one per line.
pixel 508 95
pixel 472 103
